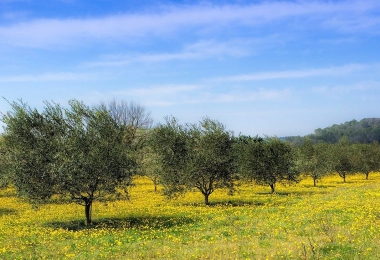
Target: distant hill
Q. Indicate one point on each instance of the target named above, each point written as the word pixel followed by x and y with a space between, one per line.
pixel 366 130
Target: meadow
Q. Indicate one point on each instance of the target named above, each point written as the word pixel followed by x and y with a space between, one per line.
pixel 334 220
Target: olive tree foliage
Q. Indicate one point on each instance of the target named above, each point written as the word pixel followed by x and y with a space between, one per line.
pixel 367 158
pixel 314 160
pixel 242 158
pixel 32 145
pixel 211 164
pixel 267 161
pixel 343 158
pixel 194 156
pixel 169 143
pixel 5 170
pixel 77 152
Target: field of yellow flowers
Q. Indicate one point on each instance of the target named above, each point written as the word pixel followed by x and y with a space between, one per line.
pixel 334 220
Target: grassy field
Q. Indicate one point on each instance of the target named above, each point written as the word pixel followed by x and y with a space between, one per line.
pixel 331 221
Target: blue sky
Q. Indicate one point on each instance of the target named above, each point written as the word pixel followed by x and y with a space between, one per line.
pixel 260 67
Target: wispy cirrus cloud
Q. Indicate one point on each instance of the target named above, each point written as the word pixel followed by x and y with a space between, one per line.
pixel 43 33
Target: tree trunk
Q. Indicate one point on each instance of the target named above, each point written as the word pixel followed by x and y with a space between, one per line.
pixel 343 175
pixel 315 182
pixel 272 187
pixel 366 175
pixel 88 212
pixel 206 198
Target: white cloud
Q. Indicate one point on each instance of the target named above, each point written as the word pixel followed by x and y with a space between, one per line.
pixel 292 74
pixel 171 95
pixel 122 60
pixel 162 90
pixel 246 95
pixel 367 87
pixel 44 33
pixel 203 49
pixel 61 76
pixel 166 95
pixel 354 23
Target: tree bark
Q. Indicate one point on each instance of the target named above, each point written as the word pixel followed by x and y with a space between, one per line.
pixel 315 182
pixel 366 175
pixel 88 212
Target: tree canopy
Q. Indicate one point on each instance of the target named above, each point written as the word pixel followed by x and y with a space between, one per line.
pixel 268 161
pixel 314 160
pixel 367 158
pixel 343 158
pixel 78 153
pixel 211 163
pixel 194 156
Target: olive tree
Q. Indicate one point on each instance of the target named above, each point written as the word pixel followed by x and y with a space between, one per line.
pixel 31 143
pixel 169 143
pixel 268 161
pixel 314 160
pixel 77 152
pixel 343 157
pixel 194 156
pixel 211 164
pixel 367 158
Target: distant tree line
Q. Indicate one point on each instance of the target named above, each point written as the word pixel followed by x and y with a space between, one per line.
pixel 364 131
pixel 82 154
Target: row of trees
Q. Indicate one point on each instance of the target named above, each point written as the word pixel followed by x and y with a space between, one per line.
pixel 82 154
pixel 344 158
